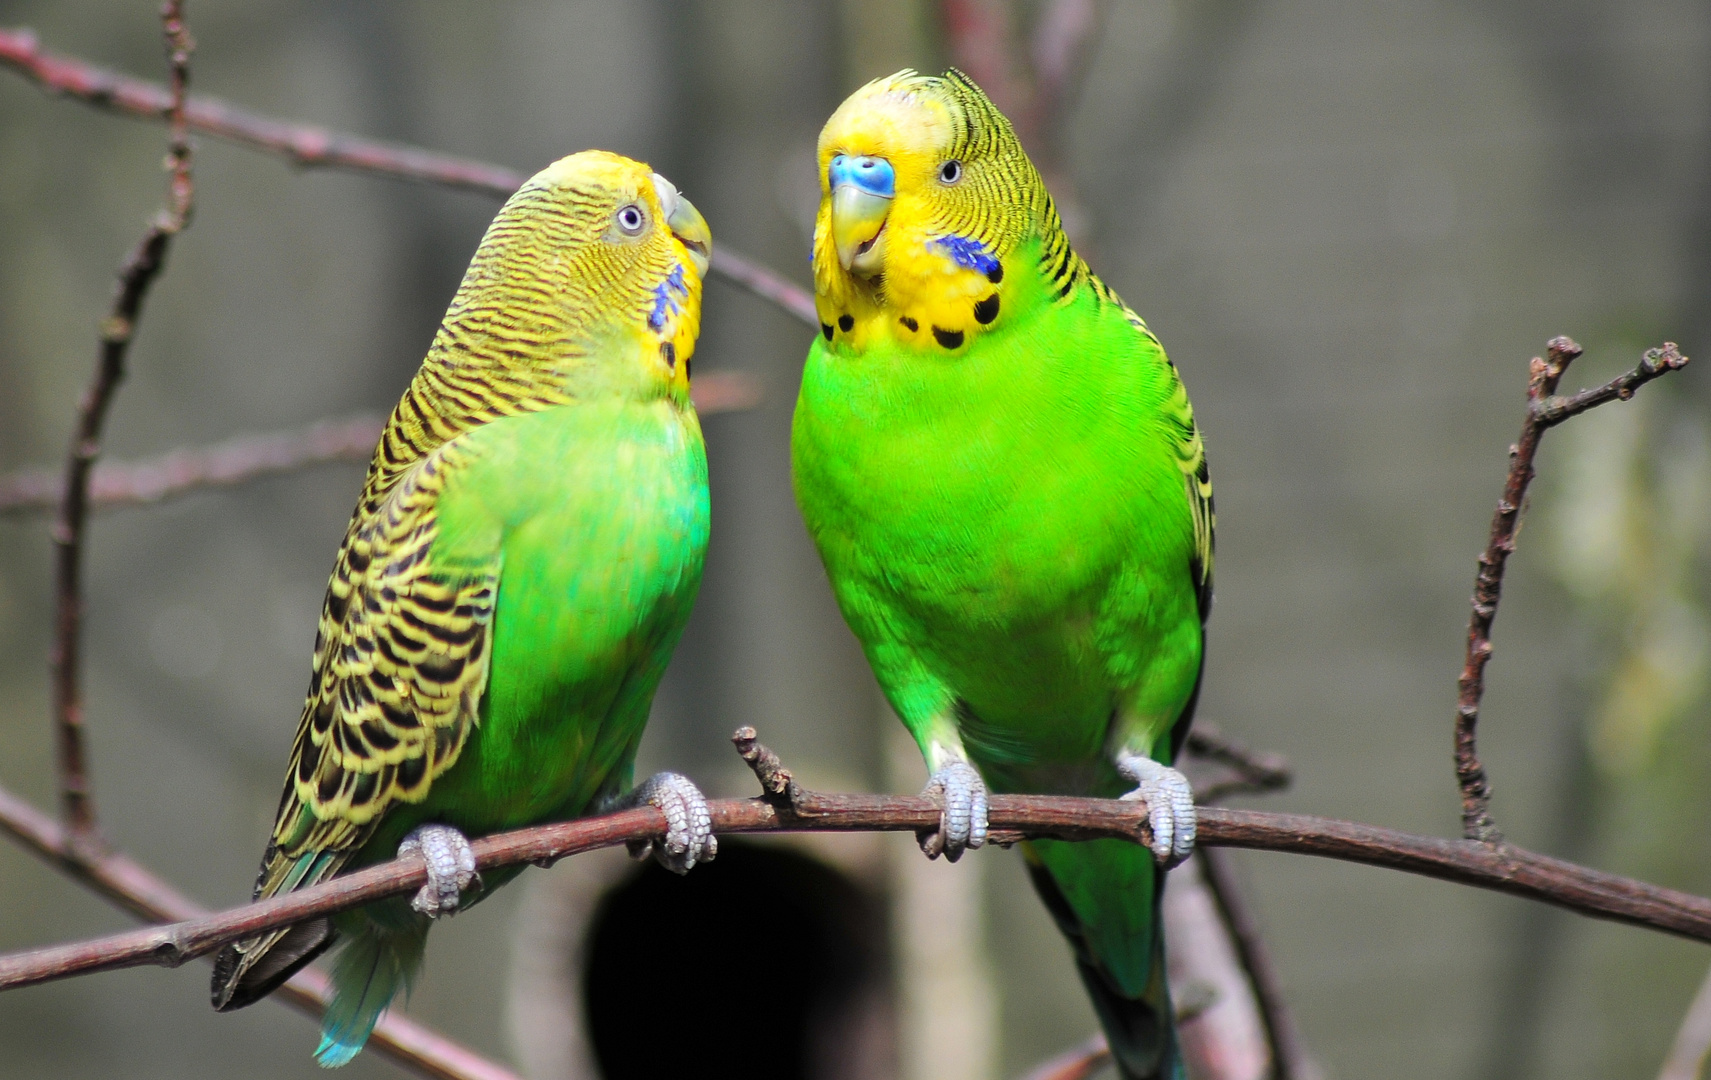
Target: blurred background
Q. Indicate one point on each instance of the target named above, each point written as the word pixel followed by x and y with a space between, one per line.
pixel 1350 223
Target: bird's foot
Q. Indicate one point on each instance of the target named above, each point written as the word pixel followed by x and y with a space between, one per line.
pixel 1170 806
pixel 962 820
pixel 450 863
pixel 689 835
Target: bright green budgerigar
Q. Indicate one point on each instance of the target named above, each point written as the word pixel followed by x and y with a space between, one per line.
pixel 515 577
pixel 1003 475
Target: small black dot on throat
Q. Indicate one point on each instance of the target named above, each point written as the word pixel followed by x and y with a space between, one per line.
pixel 826 329
pixel 846 322
pixel 986 310
pixel 950 339
pixel 909 324
pixel 996 274
pixel 668 353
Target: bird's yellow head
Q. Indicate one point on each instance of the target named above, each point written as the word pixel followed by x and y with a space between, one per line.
pixel 926 193
pixel 595 250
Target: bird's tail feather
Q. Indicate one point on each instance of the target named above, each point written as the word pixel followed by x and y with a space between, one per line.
pixel 373 967
pixel 1139 1024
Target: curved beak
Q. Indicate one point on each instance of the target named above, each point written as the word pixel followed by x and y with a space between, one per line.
pixel 685 223
pixel 862 192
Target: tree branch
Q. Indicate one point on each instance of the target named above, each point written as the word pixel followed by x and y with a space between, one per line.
pixel 794 809
pixel 132 887
pixel 316 147
pixel 1544 411
pixel 1076 1063
pixel 250 457
pixel 117 330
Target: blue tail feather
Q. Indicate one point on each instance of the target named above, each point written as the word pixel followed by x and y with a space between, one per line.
pixel 374 966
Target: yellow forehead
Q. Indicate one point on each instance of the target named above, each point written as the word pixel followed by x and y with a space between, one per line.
pixel 599 170
pixel 893 118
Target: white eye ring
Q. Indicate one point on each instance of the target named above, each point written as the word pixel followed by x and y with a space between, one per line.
pixel 631 219
pixel 950 172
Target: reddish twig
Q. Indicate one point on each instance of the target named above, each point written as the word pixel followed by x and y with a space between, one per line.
pixel 1544 411
pixel 1505 869
pixel 1288 1049
pixel 1076 1063
pixel 316 147
pixel 250 457
pixel 132 887
pixel 117 330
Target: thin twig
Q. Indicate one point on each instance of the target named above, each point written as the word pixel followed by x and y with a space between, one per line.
pixel 1076 1063
pixel 117 331
pixel 250 457
pixel 1250 772
pixel 1498 867
pixel 1289 1057
pixel 132 887
pixel 316 147
pixel 1544 411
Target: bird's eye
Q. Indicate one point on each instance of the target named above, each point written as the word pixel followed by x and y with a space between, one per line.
pixel 631 219
pixel 950 172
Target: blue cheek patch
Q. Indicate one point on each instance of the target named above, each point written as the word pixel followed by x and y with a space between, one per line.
pixel 666 297
pixel 968 253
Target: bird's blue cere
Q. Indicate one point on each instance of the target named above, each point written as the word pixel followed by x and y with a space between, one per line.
pixel 873 175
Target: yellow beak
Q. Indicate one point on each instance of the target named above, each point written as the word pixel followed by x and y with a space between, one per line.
pixel 862 189
pixel 685 223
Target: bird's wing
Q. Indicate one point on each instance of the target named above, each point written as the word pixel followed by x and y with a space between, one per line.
pixel 401 662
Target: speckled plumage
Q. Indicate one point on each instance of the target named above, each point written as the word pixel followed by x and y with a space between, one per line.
pixel 519 566
pixel 1003 476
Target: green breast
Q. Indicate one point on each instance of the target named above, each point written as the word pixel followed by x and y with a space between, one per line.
pixel 1005 508
pixel 603 514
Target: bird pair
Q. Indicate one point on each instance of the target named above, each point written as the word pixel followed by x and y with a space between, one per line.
pixel 997 462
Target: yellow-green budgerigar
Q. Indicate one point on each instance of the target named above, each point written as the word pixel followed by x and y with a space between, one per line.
pixel 516 574
pixel 1004 478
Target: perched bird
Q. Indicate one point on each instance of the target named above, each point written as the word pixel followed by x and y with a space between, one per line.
pixel 1003 476
pixel 512 583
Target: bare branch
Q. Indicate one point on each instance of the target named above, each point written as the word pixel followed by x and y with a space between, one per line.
pixel 1499 867
pixel 317 147
pixel 115 876
pixel 1076 1063
pixel 250 457
pixel 1544 411
pixel 117 330
pixel 1290 1060
pixel 1248 772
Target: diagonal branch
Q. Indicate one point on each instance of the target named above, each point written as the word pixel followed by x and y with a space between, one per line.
pixel 132 887
pixel 316 147
pixel 1545 410
pixel 117 330
pixel 789 808
pixel 250 457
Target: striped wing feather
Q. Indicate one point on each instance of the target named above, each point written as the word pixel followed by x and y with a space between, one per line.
pixel 401 661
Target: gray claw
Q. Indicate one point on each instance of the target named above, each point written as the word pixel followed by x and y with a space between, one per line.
pixel 962 822
pixel 1170 806
pixel 689 835
pixel 450 863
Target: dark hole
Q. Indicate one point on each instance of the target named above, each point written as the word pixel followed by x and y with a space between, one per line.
pixel 765 964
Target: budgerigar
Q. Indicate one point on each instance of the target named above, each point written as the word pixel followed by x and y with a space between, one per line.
pixel 1004 478
pixel 515 577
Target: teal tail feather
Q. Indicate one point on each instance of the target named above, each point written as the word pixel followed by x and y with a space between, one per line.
pixel 1104 896
pixel 373 967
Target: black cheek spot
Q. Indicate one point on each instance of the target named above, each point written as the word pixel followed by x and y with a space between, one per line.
pixel 950 339
pixel 826 330
pixel 668 353
pixel 846 323
pixel 986 310
pixel 910 324
pixel 996 274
